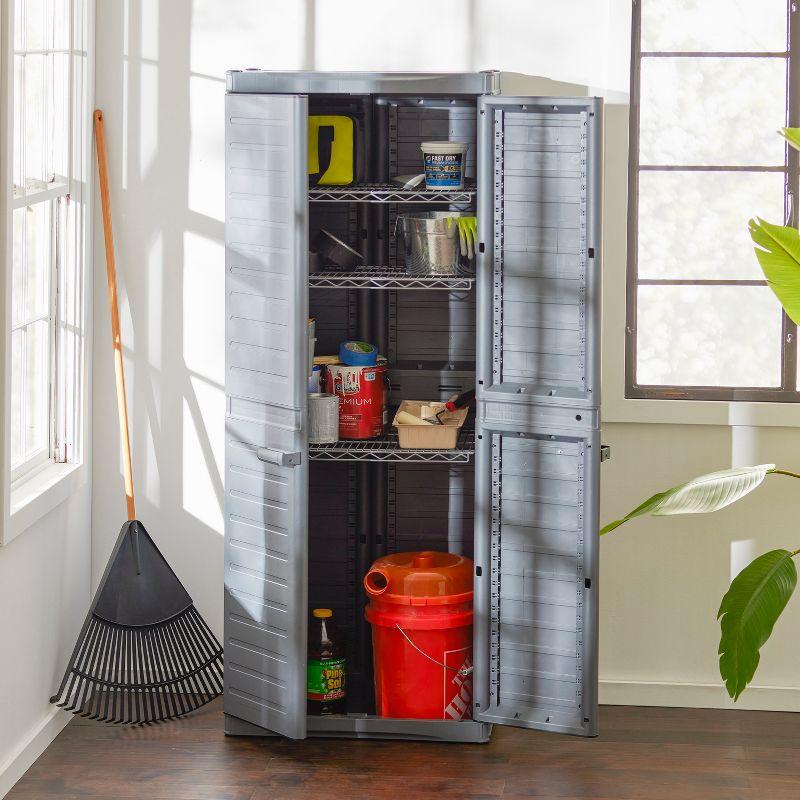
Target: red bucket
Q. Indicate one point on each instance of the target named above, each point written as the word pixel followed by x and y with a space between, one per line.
pixel 420 609
pixel 362 399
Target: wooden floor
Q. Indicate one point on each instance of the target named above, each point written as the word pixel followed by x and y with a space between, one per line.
pixel 642 753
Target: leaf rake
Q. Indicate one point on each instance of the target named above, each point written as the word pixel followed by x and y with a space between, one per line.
pixel 144 653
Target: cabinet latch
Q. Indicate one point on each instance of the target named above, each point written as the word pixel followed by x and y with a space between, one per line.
pixel 278 457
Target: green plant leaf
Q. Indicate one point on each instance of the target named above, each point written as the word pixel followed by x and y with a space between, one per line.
pixel 748 612
pixel 778 253
pixel 701 495
pixel 792 135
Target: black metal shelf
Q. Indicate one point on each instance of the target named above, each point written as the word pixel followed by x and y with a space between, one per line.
pixel 388 193
pixel 387 448
pixel 387 278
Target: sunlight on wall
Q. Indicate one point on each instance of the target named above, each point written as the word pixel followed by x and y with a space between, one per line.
pixel 148 119
pixel 746 442
pixel 745 446
pixel 148 487
pixel 207 147
pixel 418 35
pixel 202 481
pixel 155 267
pixel 148 15
pixel 203 337
pixel 204 320
pixel 743 552
pixel 248 33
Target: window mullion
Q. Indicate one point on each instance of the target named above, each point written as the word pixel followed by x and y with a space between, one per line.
pixel 632 271
pixel 25 324
pixel 46 195
pixel 56 409
pixel 789 351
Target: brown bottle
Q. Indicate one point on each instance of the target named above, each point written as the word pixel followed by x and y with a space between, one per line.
pixel 327 673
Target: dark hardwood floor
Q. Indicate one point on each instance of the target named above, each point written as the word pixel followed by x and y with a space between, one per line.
pixel 642 753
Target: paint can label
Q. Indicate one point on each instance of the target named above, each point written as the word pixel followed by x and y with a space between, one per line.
pixel 362 400
pixel 444 171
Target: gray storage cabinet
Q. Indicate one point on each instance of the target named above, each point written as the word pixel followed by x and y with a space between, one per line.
pixel 520 492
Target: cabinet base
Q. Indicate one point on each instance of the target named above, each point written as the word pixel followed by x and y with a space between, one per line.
pixel 356 726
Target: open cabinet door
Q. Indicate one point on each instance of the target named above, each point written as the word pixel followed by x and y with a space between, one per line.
pixel 537 425
pixel 266 455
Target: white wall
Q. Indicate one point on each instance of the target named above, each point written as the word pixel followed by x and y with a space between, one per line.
pixel 44 595
pixel 160 80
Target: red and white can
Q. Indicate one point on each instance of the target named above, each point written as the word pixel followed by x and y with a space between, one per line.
pixel 362 399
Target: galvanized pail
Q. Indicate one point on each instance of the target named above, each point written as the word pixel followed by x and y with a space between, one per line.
pixel 430 242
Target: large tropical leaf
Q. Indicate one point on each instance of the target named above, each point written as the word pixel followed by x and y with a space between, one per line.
pixel 748 612
pixel 701 495
pixel 792 135
pixel 778 253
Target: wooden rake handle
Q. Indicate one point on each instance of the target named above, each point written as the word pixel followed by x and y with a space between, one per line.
pixel 111 272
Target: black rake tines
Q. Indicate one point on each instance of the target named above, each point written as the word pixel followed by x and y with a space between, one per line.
pixel 140 675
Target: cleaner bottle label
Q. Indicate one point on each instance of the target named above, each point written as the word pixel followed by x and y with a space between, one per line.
pixel 326 679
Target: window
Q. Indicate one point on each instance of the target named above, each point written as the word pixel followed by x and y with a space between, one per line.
pixel 711 81
pixel 46 166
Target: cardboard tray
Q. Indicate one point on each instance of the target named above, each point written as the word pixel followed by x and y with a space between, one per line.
pixel 427 436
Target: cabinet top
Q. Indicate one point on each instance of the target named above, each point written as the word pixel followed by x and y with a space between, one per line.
pixel 257 81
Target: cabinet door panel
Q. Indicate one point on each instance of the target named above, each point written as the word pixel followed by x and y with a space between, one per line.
pixel 537 439
pixel 266 516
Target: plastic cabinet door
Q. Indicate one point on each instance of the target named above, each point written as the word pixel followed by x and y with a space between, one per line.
pixel 537 429
pixel 266 373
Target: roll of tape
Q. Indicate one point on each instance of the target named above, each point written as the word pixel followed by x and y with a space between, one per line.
pixel 323 418
pixel 358 354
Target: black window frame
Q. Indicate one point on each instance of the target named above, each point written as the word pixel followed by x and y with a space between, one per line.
pixel 787 391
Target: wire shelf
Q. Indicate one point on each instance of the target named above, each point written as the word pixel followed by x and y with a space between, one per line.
pixel 388 193
pixel 387 278
pixel 387 448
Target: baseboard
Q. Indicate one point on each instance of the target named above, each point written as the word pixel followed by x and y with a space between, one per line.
pixel 36 743
pixel 697 695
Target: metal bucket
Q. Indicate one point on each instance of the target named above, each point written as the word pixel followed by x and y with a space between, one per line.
pixel 430 244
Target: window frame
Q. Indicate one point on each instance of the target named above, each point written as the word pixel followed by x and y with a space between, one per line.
pixel 34 488
pixel 788 391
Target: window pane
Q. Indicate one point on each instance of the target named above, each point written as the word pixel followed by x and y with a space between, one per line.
pixel 18 165
pixel 38 260
pixel 30 394
pixel 41 117
pixel 33 27
pixel 708 336
pixel 32 262
pixel 58 123
pixel 18 267
pixel 37 383
pixel 709 25
pixel 17 366
pixel 694 224
pixel 33 117
pixel 712 111
pixel 60 14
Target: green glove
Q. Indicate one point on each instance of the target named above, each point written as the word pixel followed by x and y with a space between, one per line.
pixel 467 233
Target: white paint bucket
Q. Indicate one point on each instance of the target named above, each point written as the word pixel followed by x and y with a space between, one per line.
pixel 444 164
